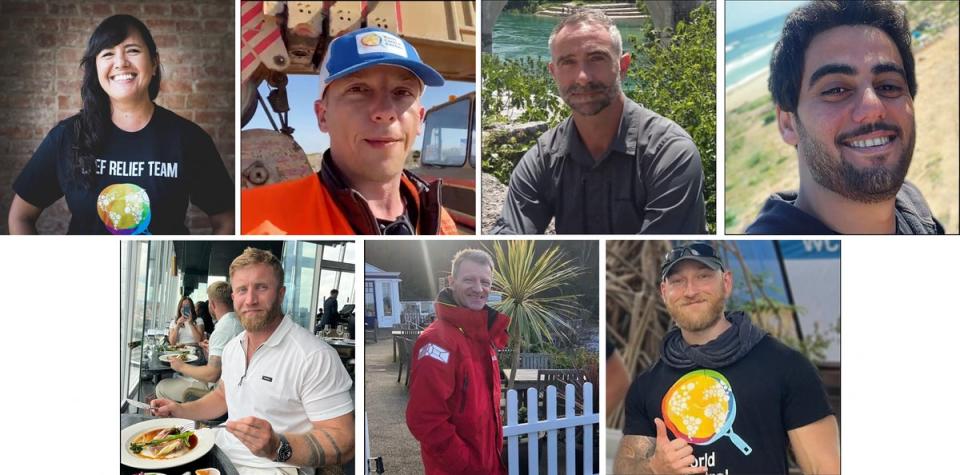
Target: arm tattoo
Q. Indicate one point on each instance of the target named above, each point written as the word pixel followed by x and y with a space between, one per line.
pixel 634 455
pixel 333 443
pixel 317 457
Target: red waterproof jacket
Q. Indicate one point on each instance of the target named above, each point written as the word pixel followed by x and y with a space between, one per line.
pixel 454 408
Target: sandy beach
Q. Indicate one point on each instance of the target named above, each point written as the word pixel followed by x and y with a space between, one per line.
pixel 757 162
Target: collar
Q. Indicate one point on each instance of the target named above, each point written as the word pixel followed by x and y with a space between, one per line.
pixel 624 142
pixel 275 338
pixel 422 200
pixel 485 325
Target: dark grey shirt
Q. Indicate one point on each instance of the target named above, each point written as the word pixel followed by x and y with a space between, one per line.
pixel 649 180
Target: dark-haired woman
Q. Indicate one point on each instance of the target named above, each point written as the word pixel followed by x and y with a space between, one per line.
pixel 187 327
pixel 124 164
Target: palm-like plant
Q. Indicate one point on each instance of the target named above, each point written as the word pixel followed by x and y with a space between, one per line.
pixel 532 287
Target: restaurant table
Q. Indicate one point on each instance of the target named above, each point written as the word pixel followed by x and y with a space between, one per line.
pixel 215 458
pixel 157 370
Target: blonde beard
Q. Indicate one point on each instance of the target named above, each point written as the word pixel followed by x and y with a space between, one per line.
pixel 698 321
pixel 257 323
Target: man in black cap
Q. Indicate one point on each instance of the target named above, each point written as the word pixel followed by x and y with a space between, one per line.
pixel 681 414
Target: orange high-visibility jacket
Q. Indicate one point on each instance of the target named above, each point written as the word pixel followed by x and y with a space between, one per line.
pixel 323 204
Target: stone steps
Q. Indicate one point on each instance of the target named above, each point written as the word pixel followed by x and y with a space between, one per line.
pixel 624 13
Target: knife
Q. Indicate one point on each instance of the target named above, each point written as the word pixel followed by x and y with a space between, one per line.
pixel 139 404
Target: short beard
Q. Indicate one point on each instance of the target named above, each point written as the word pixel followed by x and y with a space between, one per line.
pixel 696 323
pixel 253 324
pixel 595 107
pixel 871 185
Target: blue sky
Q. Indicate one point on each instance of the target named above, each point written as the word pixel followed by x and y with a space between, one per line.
pixel 302 92
pixel 740 14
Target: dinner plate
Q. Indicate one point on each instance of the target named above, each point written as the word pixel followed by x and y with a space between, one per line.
pixel 166 358
pixel 205 440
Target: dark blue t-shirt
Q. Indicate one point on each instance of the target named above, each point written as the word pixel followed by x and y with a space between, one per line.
pixel 737 416
pixel 144 183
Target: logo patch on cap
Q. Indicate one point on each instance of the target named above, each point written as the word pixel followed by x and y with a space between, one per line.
pixel 379 42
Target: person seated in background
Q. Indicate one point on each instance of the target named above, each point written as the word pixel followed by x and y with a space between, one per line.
pixel 186 328
pixel 196 379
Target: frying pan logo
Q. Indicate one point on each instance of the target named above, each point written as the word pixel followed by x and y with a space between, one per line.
pixel 700 408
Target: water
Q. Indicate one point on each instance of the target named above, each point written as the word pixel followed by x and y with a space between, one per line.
pixel 747 52
pixel 517 35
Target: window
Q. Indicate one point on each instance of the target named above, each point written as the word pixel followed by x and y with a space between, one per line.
pixel 387 299
pixel 369 299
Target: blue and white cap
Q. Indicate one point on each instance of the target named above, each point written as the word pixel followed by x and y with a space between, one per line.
pixel 367 47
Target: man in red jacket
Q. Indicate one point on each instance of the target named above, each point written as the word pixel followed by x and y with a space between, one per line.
pixel 454 408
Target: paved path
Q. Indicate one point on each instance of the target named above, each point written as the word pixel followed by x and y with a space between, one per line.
pixel 386 405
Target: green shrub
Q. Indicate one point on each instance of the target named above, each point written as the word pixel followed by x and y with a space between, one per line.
pixel 678 81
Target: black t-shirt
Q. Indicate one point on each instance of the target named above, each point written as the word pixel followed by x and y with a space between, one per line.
pixel 737 417
pixel 145 179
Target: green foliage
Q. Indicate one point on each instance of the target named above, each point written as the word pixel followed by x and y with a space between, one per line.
pixel 678 81
pixel 521 84
pixel 533 286
pixel 579 358
pixel 814 346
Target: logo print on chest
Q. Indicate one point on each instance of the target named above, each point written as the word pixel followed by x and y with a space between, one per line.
pixel 700 408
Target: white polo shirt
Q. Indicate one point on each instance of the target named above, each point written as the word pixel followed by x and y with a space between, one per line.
pixel 293 378
pixel 226 328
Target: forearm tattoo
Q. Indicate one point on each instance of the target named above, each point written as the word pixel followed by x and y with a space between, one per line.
pixel 634 455
pixel 317 457
pixel 334 444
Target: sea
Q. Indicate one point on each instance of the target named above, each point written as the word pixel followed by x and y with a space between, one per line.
pixel 517 35
pixel 747 50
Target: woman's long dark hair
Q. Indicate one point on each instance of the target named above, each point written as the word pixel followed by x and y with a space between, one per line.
pixel 193 308
pixel 95 115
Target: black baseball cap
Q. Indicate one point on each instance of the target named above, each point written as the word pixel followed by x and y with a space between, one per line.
pixel 701 252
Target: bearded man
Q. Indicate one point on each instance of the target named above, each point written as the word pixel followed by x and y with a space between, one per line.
pixel 731 396
pixel 287 392
pixel 613 167
pixel 843 79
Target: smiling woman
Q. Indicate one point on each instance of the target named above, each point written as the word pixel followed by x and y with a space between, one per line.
pixel 124 164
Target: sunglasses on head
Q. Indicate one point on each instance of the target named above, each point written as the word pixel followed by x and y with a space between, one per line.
pixel 400 227
pixel 695 249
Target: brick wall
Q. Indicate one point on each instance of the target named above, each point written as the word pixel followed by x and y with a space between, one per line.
pixel 41 43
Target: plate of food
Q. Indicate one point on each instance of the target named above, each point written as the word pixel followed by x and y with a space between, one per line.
pixel 186 357
pixel 163 443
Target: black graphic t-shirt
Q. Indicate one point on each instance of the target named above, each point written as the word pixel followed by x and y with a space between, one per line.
pixel 145 179
pixel 736 418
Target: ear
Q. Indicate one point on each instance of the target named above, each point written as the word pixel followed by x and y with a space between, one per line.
pixel 727 284
pixel 624 65
pixel 320 108
pixel 787 123
pixel 423 115
pixel 552 70
pixel 663 290
pixel 282 292
pixel 450 280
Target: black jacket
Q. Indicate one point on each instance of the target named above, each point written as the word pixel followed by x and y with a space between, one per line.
pixel 781 216
pixel 650 180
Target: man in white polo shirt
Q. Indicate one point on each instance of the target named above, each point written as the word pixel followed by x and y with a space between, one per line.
pixel 196 378
pixel 287 393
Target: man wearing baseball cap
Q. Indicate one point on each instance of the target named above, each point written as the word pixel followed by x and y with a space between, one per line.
pixel 371 82
pixel 724 397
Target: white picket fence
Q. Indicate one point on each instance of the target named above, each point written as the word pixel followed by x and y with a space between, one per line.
pixel 552 425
